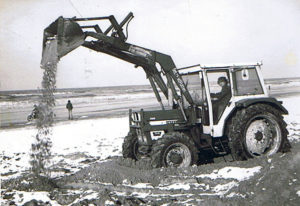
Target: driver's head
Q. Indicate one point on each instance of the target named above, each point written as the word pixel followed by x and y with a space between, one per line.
pixel 222 81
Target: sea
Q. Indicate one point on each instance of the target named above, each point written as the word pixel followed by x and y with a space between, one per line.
pixel 106 102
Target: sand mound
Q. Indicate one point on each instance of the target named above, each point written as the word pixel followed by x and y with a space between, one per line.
pixel 256 181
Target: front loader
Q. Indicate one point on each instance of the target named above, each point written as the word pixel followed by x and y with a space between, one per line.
pixel 202 119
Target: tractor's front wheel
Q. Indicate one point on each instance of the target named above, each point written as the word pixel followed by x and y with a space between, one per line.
pixel 258 130
pixel 130 147
pixel 174 150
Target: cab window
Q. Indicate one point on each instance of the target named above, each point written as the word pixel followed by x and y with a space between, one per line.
pixel 194 86
pixel 246 82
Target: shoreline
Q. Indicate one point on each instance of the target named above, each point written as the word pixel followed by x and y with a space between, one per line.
pixel 118 113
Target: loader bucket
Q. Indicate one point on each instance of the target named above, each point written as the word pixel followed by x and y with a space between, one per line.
pixel 68 33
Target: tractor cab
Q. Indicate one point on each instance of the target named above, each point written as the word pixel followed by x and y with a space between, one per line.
pixel 217 89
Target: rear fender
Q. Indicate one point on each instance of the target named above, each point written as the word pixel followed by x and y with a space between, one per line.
pixel 270 101
pixel 248 102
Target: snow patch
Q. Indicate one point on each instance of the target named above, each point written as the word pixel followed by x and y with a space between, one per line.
pixel 109 202
pixel 140 194
pixel 73 142
pixel 138 185
pixel 237 173
pixel 88 195
pixel 176 186
pixel 222 189
pixel 234 194
pixel 293 118
pixel 21 197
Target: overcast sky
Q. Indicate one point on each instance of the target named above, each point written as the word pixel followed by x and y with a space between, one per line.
pixel 191 31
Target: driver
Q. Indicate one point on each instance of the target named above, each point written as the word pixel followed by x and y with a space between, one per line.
pixel 221 98
pixel 225 91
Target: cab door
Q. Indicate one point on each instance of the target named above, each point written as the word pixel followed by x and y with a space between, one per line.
pixel 219 92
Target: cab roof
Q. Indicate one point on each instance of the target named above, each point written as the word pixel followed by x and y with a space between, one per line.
pixel 199 67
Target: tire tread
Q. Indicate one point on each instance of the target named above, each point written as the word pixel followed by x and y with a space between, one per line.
pixel 239 120
pixel 161 144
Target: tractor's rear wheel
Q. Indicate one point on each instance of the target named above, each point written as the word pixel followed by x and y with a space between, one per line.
pixel 174 150
pixel 130 147
pixel 258 130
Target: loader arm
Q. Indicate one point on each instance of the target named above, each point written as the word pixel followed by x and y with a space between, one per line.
pixel 71 35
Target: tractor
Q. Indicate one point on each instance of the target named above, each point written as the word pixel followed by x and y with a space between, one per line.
pixel 204 109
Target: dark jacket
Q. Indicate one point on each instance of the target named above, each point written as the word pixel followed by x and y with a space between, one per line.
pixel 35 112
pixel 223 96
pixel 69 106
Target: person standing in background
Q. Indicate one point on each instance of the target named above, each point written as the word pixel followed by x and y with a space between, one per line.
pixel 69 106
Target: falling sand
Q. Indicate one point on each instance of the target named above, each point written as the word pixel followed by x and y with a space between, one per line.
pixel 41 149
